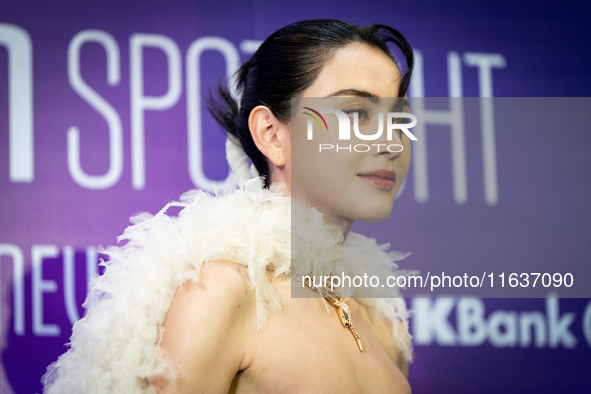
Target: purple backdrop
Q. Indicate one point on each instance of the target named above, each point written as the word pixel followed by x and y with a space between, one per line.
pixel 101 117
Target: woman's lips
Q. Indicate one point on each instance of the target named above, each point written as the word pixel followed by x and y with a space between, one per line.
pixel 384 179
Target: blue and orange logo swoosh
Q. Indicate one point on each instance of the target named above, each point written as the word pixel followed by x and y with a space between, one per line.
pixel 315 118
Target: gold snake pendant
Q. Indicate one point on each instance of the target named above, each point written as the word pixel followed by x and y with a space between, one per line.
pixel 345 314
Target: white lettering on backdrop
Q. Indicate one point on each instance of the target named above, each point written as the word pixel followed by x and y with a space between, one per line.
pixel 21 163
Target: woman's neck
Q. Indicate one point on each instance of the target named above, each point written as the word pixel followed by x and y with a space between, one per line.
pixel 342 223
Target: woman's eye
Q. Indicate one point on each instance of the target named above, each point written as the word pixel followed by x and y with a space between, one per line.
pixel 362 114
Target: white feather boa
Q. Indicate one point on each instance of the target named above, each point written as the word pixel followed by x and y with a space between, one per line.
pixel 114 348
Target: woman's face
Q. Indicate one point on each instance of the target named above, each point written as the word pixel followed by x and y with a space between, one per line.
pixel 347 185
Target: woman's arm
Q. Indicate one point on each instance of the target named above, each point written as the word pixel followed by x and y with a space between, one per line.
pixel 207 330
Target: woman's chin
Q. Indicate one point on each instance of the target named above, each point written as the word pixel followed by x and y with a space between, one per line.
pixel 374 215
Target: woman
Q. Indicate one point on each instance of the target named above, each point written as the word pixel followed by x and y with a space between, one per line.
pixel 182 307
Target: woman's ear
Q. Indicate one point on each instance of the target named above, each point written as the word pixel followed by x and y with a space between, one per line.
pixel 270 136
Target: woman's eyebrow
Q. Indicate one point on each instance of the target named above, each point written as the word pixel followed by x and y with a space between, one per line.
pixel 356 92
pixel 400 104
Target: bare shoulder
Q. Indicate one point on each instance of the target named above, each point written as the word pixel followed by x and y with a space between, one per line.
pixel 395 352
pixel 207 328
pixel 383 328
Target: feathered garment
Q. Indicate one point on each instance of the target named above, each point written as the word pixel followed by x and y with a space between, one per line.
pixel 114 348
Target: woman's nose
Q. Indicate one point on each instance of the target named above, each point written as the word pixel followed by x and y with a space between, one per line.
pixel 389 143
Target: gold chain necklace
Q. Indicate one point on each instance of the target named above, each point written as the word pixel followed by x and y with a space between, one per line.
pixel 343 310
